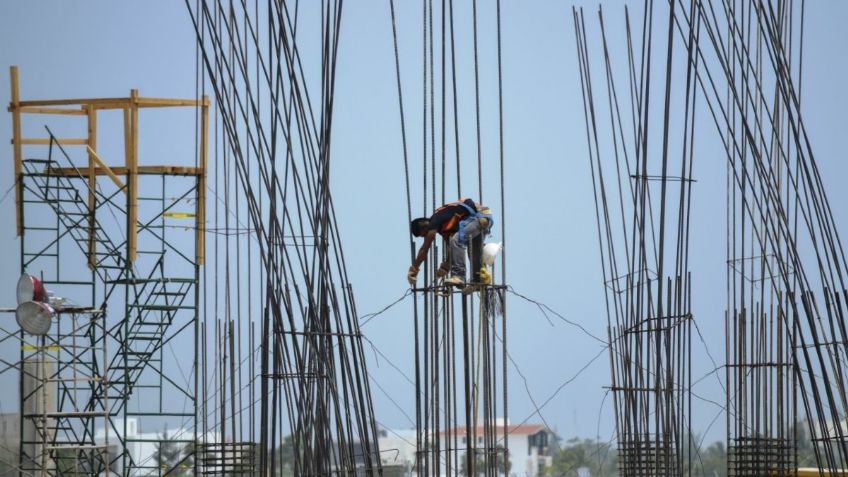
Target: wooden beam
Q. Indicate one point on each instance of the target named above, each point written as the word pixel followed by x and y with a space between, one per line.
pixel 200 210
pixel 46 141
pixel 101 166
pixel 166 102
pixel 111 106
pixel 127 161
pixel 35 110
pixel 16 144
pixel 122 171
pixel 816 472
pixel 91 114
pixel 132 180
pixel 114 103
pixel 169 170
pixel 76 102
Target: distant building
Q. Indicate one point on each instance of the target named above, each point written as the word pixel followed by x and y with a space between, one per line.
pixel 10 439
pixel 397 448
pixel 531 447
pixel 142 446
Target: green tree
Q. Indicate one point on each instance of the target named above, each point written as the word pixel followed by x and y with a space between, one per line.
pixel 711 461
pixel 67 462
pixel 480 463
pixel 188 456
pixel 599 457
pixel 169 455
pixel 284 458
pixel 806 452
pixel 705 461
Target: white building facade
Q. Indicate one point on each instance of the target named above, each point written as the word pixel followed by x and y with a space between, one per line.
pixel 531 447
pixel 142 446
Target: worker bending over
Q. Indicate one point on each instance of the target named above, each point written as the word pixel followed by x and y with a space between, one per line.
pixel 459 223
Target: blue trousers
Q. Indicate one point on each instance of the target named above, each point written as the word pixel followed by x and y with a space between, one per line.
pixel 473 235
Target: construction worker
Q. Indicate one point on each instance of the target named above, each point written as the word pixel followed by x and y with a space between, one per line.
pixel 459 223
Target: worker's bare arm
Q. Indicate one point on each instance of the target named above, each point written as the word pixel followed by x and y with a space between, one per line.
pixel 425 247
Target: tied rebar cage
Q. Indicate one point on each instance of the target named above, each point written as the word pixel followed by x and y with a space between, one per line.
pixel 652 405
pixel 761 372
pixel 460 375
pixel 786 262
pixel 643 183
pixel 753 456
pixel 761 395
pixel 283 358
pixel 786 266
pixel 227 458
pixel 461 358
pixel 646 455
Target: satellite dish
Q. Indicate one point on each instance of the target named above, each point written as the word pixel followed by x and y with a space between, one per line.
pixel 30 289
pixel 34 317
pixel 490 251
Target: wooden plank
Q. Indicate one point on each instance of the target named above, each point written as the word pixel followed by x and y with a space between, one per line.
pixel 816 472
pixel 132 178
pixel 166 102
pixel 16 144
pixel 76 102
pixel 115 103
pixel 124 105
pixel 91 114
pixel 101 166
pixel 127 161
pixel 200 224
pixel 122 171
pixel 61 111
pixel 46 141
pixel 169 170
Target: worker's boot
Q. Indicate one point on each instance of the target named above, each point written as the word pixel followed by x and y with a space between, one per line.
pixel 443 269
pixel 485 279
pixel 455 280
pixel 485 276
pixel 472 287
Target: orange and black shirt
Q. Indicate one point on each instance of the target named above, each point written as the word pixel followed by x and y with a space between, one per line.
pixel 446 218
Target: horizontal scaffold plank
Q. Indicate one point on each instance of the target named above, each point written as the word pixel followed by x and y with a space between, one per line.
pixel 109 103
pixel 120 171
pixel 43 141
pixel 40 110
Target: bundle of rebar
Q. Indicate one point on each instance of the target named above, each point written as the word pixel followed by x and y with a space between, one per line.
pixel 760 374
pixel 642 201
pixel 786 265
pixel 461 401
pixel 296 385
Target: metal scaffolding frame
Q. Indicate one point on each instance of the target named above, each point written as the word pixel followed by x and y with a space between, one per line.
pixel 104 236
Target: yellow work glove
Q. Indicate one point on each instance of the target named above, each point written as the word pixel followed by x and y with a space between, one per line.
pixel 485 276
pixel 443 270
pixel 412 275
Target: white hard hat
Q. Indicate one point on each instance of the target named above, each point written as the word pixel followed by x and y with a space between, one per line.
pixel 490 251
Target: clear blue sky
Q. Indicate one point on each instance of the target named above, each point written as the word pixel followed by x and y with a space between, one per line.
pixel 104 48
